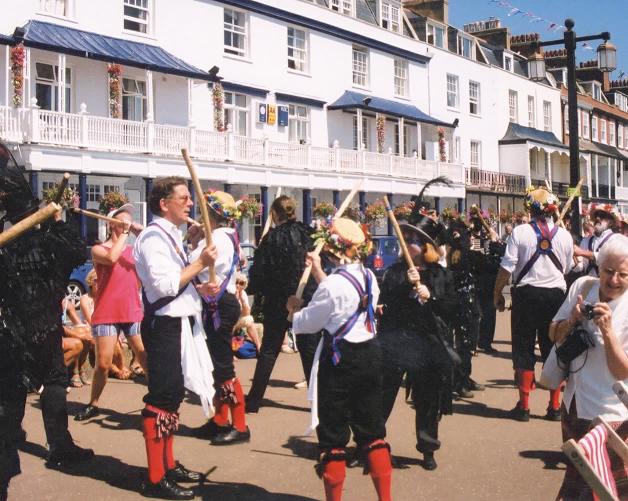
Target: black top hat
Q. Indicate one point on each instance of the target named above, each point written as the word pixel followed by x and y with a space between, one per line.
pixel 16 197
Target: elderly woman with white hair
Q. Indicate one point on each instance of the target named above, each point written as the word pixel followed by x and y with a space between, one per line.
pixel 599 306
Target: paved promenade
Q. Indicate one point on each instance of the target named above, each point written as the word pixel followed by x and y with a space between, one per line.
pixel 484 455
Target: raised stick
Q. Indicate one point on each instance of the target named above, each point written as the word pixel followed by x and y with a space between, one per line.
pixel 27 223
pixel 476 210
pixel 402 241
pixel 203 205
pixel 319 247
pixel 269 220
pixel 570 200
pixel 95 215
pixel 61 189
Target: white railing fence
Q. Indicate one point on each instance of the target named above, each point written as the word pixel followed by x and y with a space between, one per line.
pixel 82 130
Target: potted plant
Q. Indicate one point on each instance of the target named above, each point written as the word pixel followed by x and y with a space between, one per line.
pixel 375 213
pixel 249 208
pixel 323 210
pixel 112 200
pixel 70 198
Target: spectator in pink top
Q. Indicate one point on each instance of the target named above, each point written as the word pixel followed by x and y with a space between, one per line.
pixel 117 305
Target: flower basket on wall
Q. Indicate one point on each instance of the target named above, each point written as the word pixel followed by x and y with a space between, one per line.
pixel 442 145
pixel 18 55
pixel 249 208
pixel 380 123
pixel 324 210
pixel 112 200
pixel 403 211
pixel 115 90
pixel 218 99
pixel 70 197
pixel 375 214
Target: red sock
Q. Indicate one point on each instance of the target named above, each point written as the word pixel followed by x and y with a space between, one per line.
pixel 221 418
pixel 555 399
pixel 155 450
pixel 525 380
pixel 380 469
pixel 238 417
pixel 334 478
pixel 170 463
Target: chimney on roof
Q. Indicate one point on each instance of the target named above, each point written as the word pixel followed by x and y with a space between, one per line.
pixel 589 71
pixel 434 9
pixel 524 44
pixel 490 31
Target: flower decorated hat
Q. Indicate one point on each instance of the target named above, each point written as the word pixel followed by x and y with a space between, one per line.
pixel 604 211
pixel 345 239
pixel 541 202
pixel 223 204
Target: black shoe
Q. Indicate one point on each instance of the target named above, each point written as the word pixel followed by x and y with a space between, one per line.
pixel 233 437
pixel 519 414
pixel 166 489
pixel 464 392
pixel 68 454
pixel 429 463
pixel 210 430
pixel 552 414
pixel 87 412
pixel 181 474
pixel 473 386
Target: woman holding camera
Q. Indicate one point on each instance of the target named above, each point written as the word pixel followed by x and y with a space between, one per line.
pixel 600 307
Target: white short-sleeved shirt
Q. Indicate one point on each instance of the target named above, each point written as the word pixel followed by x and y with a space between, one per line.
pixel 521 247
pixel 593 383
pixel 594 244
pixel 224 248
pixel 332 305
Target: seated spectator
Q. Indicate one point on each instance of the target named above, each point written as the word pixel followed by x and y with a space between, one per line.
pixel 246 322
pixel 77 343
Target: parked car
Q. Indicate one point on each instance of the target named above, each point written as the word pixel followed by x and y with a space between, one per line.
pixel 249 251
pixel 77 286
pixel 385 252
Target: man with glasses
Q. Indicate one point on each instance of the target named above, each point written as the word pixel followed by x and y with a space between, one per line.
pixel 604 219
pixel 172 310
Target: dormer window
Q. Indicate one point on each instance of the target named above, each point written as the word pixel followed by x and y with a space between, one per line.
pixel 435 35
pixel 621 101
pixel 465 46
pixel 343 6
pixel 390 16
pixel 509 62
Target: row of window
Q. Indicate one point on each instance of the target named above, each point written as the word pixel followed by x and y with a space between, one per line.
pixel 94 191
pixel 513 110
pixel 599 130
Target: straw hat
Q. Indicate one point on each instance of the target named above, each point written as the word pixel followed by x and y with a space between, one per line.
pixel 605 211
pixel 541 201
pixel 345 239
pixel 222 203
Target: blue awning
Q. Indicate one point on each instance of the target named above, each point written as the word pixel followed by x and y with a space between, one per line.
pixel 56 38
pixel 244 89
pixel 6 40
pixel 517 134
pixel 351 100
pixel 292 98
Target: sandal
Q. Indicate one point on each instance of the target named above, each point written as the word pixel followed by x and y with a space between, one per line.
pixel 76 382
pixel 138 371
pixel 84 379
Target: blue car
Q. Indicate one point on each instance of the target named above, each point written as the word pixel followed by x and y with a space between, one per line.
pixel 385 252
pixel 77 286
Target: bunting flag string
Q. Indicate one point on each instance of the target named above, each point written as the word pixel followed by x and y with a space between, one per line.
pixel 516 11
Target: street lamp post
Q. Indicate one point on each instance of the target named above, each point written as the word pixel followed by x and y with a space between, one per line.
pixel 606 62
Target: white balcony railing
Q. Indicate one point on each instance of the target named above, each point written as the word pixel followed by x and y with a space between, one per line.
pixel 81 130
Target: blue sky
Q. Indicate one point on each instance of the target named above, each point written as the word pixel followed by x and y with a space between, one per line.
pixel 591 17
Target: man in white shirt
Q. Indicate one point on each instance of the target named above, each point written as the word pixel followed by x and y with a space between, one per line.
pixel 170 301
pixel 537 256
pixel 349 379
pixel 604 220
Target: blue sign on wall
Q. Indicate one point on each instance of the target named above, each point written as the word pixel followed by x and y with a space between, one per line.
pixel 283 115
pixel 261 113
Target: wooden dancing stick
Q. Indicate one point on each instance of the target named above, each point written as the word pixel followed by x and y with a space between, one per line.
pixel 559 220
pixel 27 223
pixel 61 189
pixel 203 205
pixel 193 222
pixel 476 210
pixel 96 215
pixel 319 247
pixel 402 241
pixel 570 200
pixel 269 220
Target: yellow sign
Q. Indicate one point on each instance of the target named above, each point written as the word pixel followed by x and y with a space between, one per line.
pixel 272 114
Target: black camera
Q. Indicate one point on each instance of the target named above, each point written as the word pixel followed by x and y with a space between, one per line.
pixel 587 310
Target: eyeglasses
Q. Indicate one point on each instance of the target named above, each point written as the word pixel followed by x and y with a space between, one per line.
pixel 612 273
pixel 241 283
pixel 182 198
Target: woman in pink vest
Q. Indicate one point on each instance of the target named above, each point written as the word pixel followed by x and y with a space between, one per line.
pixel 117 305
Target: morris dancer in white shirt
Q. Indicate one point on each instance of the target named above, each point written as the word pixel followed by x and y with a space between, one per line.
pixel 349 379
pixel 537 256
pixel 171 331
pixel 604 220
pixel 221 313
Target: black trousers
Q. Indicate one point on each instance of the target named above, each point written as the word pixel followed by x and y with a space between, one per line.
pixel 350 395
pixel 161 336
pixel 219 341
pixel 307 343
pixel 489 316
pixel 274 333
pixel 466 332
pixel 532 311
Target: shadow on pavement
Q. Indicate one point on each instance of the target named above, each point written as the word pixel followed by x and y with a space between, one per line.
pixel 551 459
pixel 280 383
pixel 302 448
pixel 499 383
pixel 472 408
pixel 103 468
pixel 288 407
pixel 228 491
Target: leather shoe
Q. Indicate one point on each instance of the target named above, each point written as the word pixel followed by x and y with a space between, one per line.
pixel 519 414
pixel 473 386
pixel 166 489
pixel 464 392
pixel 210 430
pixel 68 454
pixel 181 474
pixel 87 412
pixel 429 463
pixel 552 414
pixel 233 437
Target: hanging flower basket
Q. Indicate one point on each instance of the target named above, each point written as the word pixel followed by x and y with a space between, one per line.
pixel 381 133
pixel 353 212
pixel 375 214
pixel 505 216
pixel 218 98
pixel 323 210
pixel 403 211
pixel 70 197
pixel 112 200
pixel 18 55
pixel 115 90
pixel 442 145
pixel 249 208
